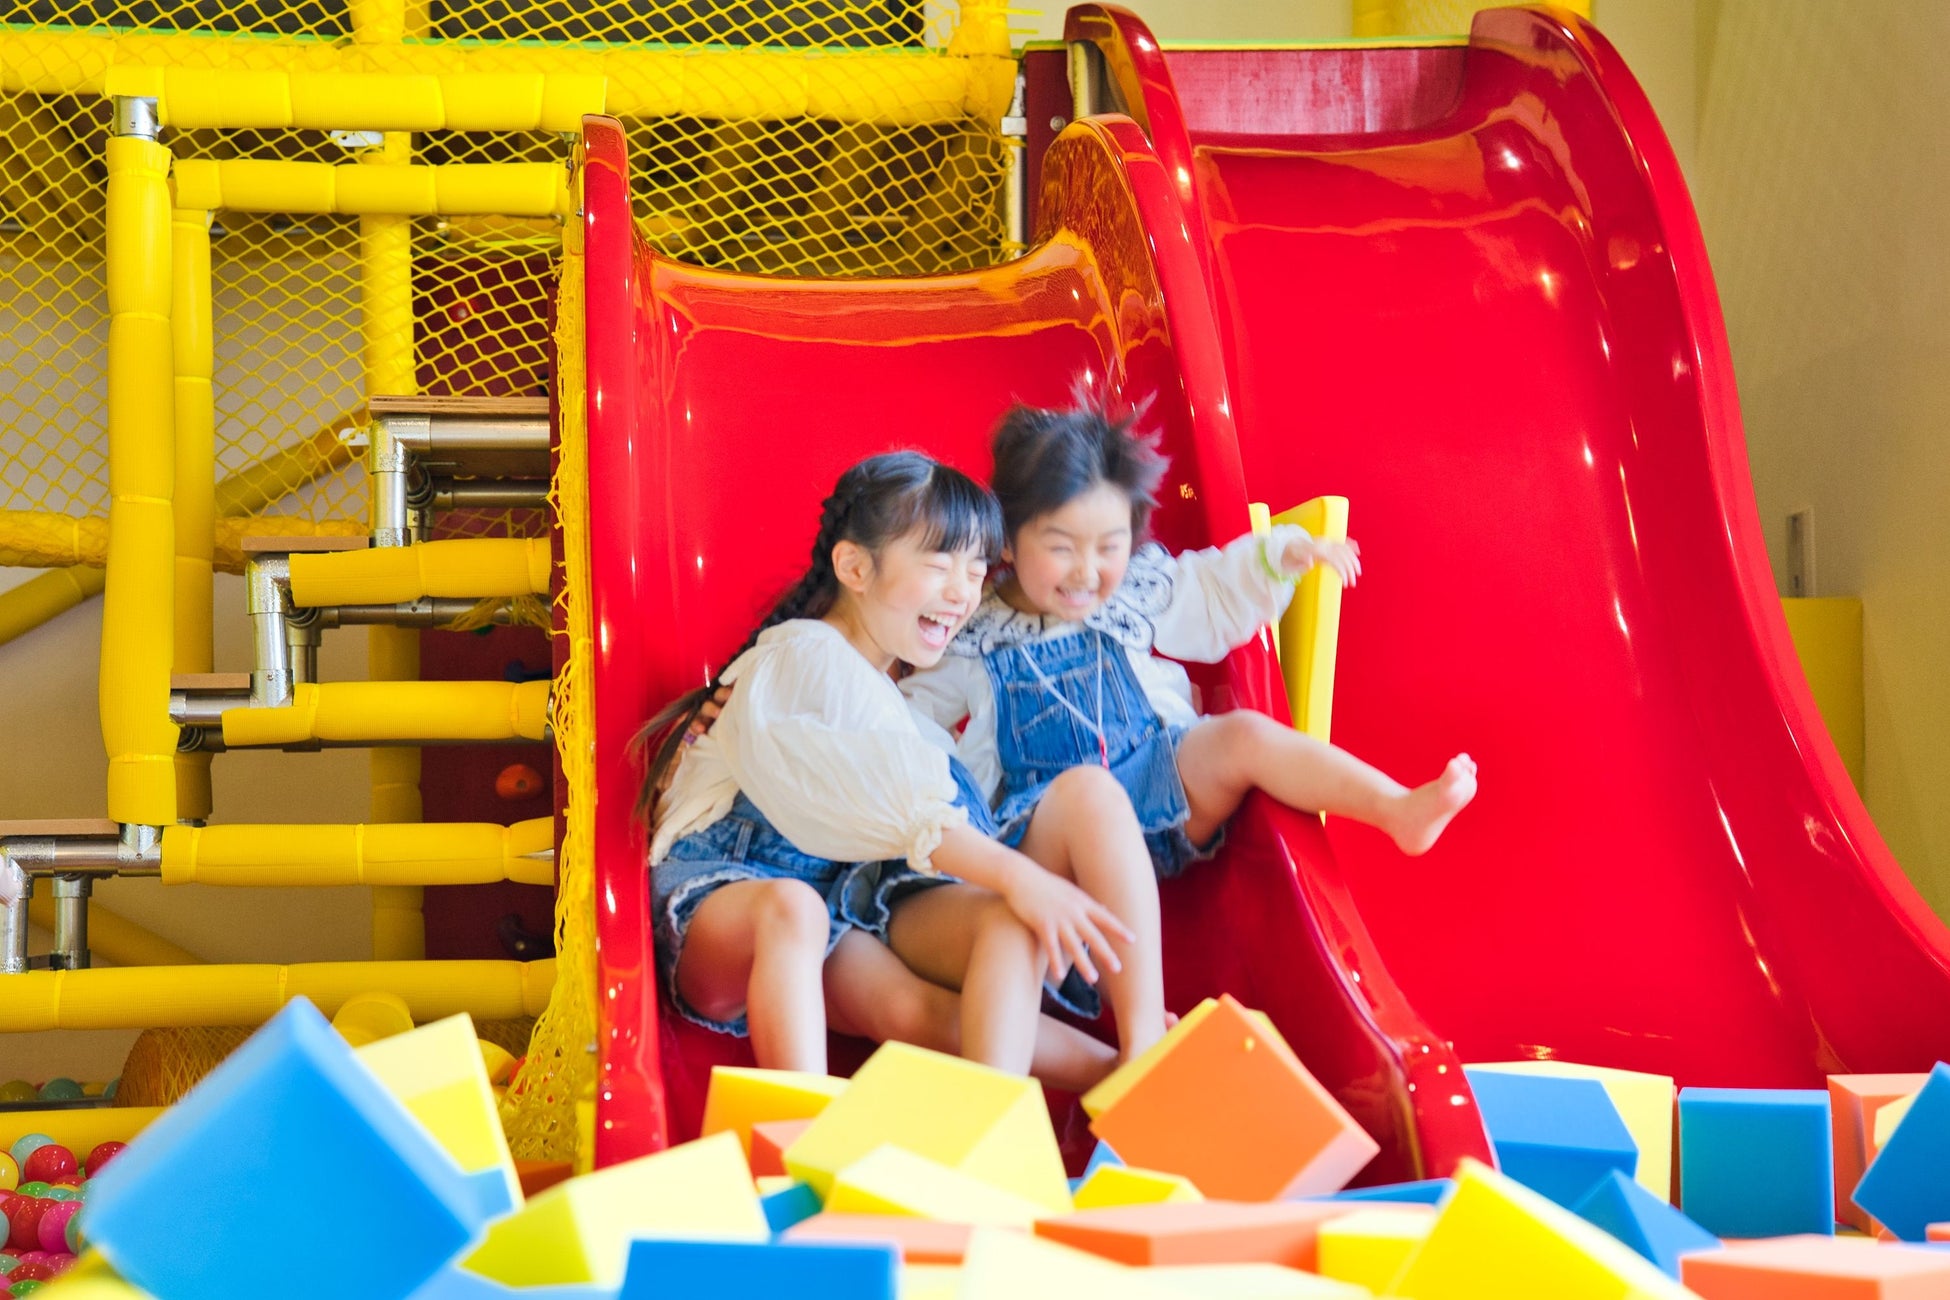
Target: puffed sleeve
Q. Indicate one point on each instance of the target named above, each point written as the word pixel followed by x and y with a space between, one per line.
pixel 1222 596
pixel 825 747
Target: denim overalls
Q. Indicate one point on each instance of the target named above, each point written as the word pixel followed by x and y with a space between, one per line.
pixel 1053 698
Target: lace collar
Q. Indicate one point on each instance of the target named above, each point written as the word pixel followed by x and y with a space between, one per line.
pixel 1127 617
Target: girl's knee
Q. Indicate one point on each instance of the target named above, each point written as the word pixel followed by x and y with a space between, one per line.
pixel 791 911
pixel 1088 787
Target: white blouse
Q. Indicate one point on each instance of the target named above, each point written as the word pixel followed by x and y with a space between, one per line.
pixel 1198 606
pixel 821 742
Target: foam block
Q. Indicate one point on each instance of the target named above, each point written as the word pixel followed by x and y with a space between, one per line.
pixel 439 1075
pixel 989 1125
pixel 1555 1136
pixel 1937 1232
pixel 1888 1118
pixel 1495 1239
pixel 284 1118
pixel 893 1180
pixel 1427 1191
pixel 1644 1222
pixel 1255 1282
pixel 1370 1246
pixel 1200 1232
pixel 920 1241
pixel 1121 1185
pixel 1756 1162
pixel 1853 1100
pixel 579 1231
pixel 1644 1102
pixel 456 1283
pixel 930 1281
pixel 1904 1186
pixel 1818 1268
pixel 788 1205
pixel 1101 1155
pixel 662 1268
pixel 739 1097
pixel 1277 1133
pixel 768 1143
pixel 1003 1265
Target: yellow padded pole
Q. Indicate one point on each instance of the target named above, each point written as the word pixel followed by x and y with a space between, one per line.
pixel 476 567
pixel 113 937
pixel 379 712
pixel 450 189
pixel 407 853
pixel 177 997
pixel 45 596
pixel 195 500
pixel 1310 630
pixel 138 607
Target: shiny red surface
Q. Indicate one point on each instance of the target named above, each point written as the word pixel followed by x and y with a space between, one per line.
pixel 722 407
pixel 1468 291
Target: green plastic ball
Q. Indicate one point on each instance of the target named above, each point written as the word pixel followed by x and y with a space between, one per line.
pixel 63 1194
pixel 62 1089
pixel 114 1086
pixel 8 1263
pixel 34 1189
pixel 28 1287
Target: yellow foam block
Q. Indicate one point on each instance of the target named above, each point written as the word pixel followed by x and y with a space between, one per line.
pixel 1497 1240
pixel 1369 1247
pixel 1003 1265
pixel 771 1184
pixel 1888 1117
pixel 986 1124
pixel 580 1230
pixel 1121 1185
pixel 1255 1282
pixel 498 1061
pixel 930 1281
pixel 438 1074
pixel 740 1097
pixel 1644 1102
pixel 890 1180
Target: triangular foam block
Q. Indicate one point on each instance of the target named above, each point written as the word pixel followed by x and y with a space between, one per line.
pixel 285 1118
pixel 439 1075
pixel 1644 1222
pixel 1905 1186
pixel 1557 1136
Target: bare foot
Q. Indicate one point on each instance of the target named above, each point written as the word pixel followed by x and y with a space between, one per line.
pixel 1425 811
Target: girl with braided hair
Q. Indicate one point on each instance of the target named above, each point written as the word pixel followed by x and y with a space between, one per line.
pixel 816 859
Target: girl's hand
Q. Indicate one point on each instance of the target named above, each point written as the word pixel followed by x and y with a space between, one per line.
pixel 1068 924
pixel 707 713
pixel 1344 558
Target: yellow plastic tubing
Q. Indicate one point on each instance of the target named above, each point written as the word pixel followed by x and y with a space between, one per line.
pixel 388 712
pixel 175 997
pixel 46 596
pixel 1311 627
pixel 353 100
pixel 137 613
pixel 468 567
pixel 402 853
pixel 414 190
pixel 195 498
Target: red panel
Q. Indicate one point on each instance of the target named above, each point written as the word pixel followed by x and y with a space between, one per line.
pixel 723 407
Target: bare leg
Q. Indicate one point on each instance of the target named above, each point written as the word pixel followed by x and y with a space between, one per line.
pixel 963 937
pixel 870 993
pixel 1225 757
pixel 756 946
pixel 1085 831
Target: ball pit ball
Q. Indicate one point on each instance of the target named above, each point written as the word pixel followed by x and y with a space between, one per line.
pixel 517 781
pixel 62 1089
pixel 33 1189
pixel 114 1085
pixel 103 1153
pixel 76 1237
pixel 50 1164
pixel 24 1216
pixel 62 1192
pixel 8 1263
pixel 54 1226
pixel 27 1146
pixel 29 1287
pixel 9 1172
pixel 18 1090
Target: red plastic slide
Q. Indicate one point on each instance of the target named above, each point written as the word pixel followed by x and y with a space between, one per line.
pixel 1465 287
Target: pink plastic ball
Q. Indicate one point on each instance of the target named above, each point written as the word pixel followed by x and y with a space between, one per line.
pixel 54 1225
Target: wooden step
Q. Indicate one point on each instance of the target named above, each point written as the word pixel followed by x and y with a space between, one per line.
pixel 90 826
pixel 210 683
pixel 469 408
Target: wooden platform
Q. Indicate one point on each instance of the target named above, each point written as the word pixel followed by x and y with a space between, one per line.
pixel 94 827
pixel 210 683
pixel 471 408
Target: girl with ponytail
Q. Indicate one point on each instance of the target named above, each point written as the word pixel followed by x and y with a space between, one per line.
pixel 816 859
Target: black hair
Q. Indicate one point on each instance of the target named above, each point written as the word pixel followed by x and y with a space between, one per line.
pixel 878 501
pixel 1044 459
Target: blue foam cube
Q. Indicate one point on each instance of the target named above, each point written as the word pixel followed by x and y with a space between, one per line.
pixel 794 1204
pixel 1428 1191
pixel 1757 1162
pixel 1642 1221
pixel 1905 1186
pixel 293 1120
pixel 1556 1136
pixel 1101 1155
pixel 663 1269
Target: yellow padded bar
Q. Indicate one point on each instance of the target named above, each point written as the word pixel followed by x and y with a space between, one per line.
pixel 408 189
pixel 177 997
pixel 878 87
pixel 399 853
pixel 360 98
pixel 467 567
pixel 382 712
pixel 1311 627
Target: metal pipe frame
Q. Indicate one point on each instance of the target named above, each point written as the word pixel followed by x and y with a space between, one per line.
pixel 267 582
pixel 489 494
pixel 73 863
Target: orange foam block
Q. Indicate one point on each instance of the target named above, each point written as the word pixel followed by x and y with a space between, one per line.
pixel 769 1141
pixel 1817 1268
pixel 1201 1232
pixel 1853 1100
pixel 1223 1101
pixel 920 1241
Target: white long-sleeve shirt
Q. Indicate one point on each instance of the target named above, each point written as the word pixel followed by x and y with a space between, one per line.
pixel 1197 606
pixel 822 743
